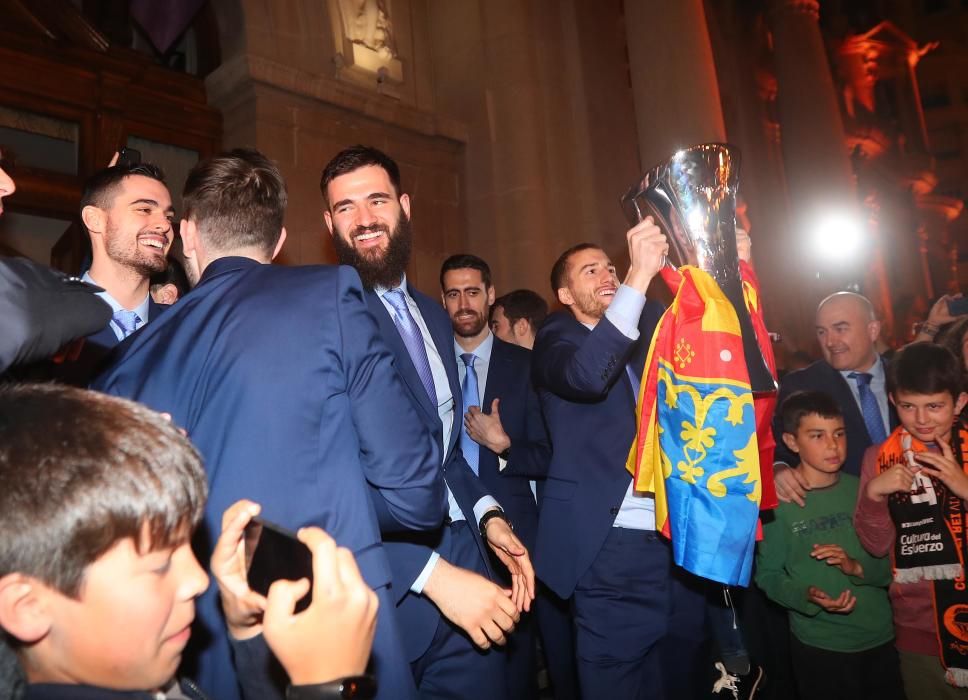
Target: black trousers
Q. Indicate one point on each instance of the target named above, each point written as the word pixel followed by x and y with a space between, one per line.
pixel 874 674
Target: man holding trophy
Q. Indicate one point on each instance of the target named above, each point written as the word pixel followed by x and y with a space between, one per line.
pixel 597 541
pixel 704 376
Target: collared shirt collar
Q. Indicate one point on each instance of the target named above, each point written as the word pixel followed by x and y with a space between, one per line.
pixel 483 350
pixel 141 309
pixel 225 264
pixel 380 291
pixel 876 371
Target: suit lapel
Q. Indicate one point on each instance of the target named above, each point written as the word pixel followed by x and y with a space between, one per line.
pixel 442 335
pixel 155 309
pixel 104 337
pixel 495 372
pixel 391 336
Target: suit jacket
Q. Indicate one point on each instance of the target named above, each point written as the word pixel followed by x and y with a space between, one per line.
pixel 409 552
pixel 42 309
pixel 280 378
pixel 80 362
pixel 509 379
pixel 589 408
pixel 820 376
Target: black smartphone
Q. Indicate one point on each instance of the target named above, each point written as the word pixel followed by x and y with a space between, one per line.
pixel 958 307
pixel 129 156
pixel 273 553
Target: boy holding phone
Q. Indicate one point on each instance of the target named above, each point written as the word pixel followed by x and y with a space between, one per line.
pixel 97 576
pixel 911 505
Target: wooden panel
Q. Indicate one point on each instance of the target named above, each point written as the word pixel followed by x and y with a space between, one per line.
pixel 111 93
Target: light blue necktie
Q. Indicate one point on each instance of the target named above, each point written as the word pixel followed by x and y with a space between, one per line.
pixel 869 407
pixel 127 321
pixel 413 339
pixel 471 397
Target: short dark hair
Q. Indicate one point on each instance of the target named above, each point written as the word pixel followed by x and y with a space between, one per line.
pixel 559 271
pixel 523 303
pixel 101 188
pixel 354 158
pixel 82 471
pixel 237 199
pixel 925 368
pixel 800 404
pixel 463 261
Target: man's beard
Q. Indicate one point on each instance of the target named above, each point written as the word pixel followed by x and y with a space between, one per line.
pixel 590 304
pixel 466 328
pixel 378 270
pixel 144 264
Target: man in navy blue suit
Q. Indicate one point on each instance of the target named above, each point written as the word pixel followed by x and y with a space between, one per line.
pixel 127 212
pixel 638 620
pixel 451 611
pixel 280 378
pixel 502 427
pixel 853 373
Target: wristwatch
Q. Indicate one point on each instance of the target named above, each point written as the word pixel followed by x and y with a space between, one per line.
pixel 505 454
pixel 357 687
pixel 489 516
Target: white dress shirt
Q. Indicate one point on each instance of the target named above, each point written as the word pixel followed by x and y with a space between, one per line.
pixel 637 511
pixel 141 309
pixel 445 409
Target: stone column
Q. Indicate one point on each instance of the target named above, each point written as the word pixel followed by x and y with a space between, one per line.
pixel 817 165
pixel 936 212
pixel 810 121
pixel 673 77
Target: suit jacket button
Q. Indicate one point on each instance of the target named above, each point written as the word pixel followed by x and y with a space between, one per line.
pixel 613 511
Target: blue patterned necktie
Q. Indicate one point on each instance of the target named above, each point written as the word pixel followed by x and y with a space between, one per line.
pixel 869 407
pixel 471 396
pixel 127 321
pixel 413 339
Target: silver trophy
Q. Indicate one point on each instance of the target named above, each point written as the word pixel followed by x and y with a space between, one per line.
pixel 692 197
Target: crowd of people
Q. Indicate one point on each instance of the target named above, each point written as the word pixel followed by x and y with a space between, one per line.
pixel 457 467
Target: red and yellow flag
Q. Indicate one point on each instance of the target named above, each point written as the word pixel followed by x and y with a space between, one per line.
pixel 704 444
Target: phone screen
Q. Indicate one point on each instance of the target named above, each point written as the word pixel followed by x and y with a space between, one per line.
pixel 273 553
pixel 958 307
pixel 129 156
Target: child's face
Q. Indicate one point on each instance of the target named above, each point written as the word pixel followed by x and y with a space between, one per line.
pixel 131 623
pixel 820 442
pixel 928 416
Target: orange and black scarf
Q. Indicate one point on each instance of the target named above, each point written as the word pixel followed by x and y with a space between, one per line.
pixel 930 544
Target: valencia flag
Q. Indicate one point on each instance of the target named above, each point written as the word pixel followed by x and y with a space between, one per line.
pixel 704 445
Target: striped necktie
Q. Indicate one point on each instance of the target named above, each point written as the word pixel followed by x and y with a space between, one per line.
pixel 471 397
pixel 127 321
pixel 869 407
pixel 413 339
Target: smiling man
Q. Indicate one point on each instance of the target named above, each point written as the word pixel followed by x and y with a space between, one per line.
pixel 127 213
pixel 852 372
pixel 449 608
pixel 637 620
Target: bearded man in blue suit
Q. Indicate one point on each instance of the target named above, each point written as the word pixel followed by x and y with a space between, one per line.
pixel 279 376
pixel 451 611
pixel 502 427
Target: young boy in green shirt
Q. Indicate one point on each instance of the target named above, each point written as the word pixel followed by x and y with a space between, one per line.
pixel 811 562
